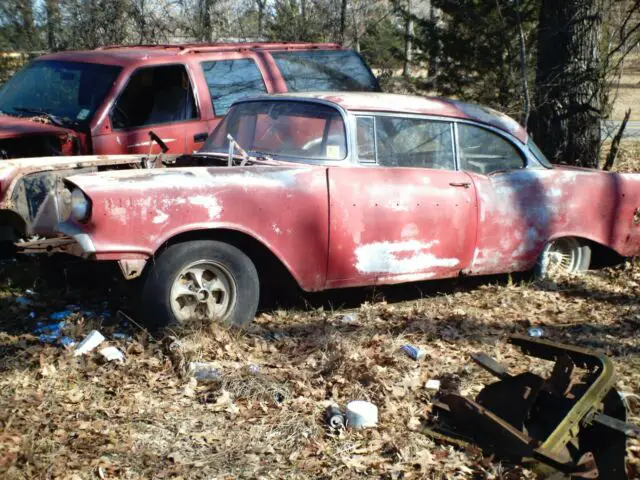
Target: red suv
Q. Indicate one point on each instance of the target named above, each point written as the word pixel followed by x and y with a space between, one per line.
pixel 106 101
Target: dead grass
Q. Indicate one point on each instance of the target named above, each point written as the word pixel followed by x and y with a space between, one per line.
pixel 67 417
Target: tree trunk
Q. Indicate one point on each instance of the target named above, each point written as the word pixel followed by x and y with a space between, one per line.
pixel 523 69
pixel 343 21
pixel 25 9
pixel 261 7
pixel 53 23
pixel 434 46
pixel 570 88
pixel 408 41
pixel 207 30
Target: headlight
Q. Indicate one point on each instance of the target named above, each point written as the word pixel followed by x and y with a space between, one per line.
pixel 80 206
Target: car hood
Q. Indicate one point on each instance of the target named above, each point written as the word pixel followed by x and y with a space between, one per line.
pixel 12 127
pixel 184 179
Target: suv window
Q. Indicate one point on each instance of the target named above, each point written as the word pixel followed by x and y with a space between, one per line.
pixel 229 80
pixel 482 151
pixel 325 70
pixel 155 95
pixel 405 142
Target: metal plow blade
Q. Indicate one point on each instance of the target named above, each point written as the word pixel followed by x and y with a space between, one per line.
pixel 569 425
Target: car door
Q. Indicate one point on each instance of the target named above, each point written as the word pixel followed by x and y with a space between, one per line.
pixel 226 77
pixel 157 98
pixel 404 213
pixel 515 215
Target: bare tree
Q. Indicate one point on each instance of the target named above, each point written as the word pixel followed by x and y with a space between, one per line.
pixel 343 20
pixel 408 40
pixel 569 102
pixel 574 73
pixel 526 109
pixel 262 6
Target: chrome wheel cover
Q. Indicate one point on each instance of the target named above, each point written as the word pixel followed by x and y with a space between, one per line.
pixel 561 256
pixel 204 290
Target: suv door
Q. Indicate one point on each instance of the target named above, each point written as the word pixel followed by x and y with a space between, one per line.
pixel 408 214
pixel 228 77
pixel 158 98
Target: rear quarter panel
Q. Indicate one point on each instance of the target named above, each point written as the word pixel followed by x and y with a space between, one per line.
pixel 520 211
pixel 285 208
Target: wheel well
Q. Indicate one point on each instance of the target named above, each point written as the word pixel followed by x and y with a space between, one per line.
pixel 271 271
pixel 15 222
pixel 603 256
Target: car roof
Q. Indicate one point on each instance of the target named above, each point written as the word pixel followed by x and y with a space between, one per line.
pixel 128 54
pixel 395 103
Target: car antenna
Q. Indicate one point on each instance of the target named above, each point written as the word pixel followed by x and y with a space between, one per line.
pixel 232 146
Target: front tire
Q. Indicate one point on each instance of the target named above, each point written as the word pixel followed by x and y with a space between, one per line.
pixel 200 280
pixel 563 256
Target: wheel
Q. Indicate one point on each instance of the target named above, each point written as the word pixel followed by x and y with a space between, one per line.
pixel 201 280
pixel 563 256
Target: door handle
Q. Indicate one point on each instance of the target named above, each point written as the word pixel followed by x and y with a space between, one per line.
pixel 200 137
pixel 460 184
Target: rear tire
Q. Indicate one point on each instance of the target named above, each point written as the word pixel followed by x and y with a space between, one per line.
pixel 200 280
pixel 563 256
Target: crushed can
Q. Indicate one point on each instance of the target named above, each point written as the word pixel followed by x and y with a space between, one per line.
pixel 333 417
pixel 413 352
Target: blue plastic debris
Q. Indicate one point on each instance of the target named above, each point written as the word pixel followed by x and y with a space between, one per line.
pixel 24 301
pixel 67 342
pixel 49 337
pixel 46 328
pixel 60 315
pixel 121 336
pixel 536 332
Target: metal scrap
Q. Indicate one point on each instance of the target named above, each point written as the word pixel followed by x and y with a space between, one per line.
pixel 571 422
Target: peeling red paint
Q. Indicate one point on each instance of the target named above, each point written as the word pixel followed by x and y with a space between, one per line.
pixel 341 224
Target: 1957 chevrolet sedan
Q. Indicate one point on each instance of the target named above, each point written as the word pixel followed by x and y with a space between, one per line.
pixel 342 190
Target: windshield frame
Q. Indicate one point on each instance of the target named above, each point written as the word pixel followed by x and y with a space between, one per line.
pixel 292 158
pixel 538 154
pixel 73 123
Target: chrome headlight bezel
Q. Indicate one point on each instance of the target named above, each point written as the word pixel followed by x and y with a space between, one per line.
pixel 80 206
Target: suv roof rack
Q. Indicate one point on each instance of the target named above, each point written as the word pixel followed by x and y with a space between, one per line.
pixel 185 48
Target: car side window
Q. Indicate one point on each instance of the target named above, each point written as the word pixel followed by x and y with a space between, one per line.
pixel 230 80
pixel 482 151
pixel 155 95
pixel 405 142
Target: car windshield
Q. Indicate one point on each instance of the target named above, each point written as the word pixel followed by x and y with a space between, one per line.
pixel 70 91
pixel 303 130
pixel 325 71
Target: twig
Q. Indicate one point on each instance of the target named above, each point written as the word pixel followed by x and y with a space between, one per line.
pixel 120 312
pixel 615 145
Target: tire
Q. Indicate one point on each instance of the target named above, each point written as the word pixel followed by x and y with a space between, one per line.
pixel 202 280
pixel 563 256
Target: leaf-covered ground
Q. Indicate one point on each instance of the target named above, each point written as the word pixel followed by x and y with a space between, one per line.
pixel 80 417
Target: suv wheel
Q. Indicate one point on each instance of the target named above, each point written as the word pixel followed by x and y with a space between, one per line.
pixel 202 280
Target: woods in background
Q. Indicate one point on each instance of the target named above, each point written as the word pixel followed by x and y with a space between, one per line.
pixel 553 65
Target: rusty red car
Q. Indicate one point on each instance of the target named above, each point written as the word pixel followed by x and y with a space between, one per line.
pixel 105 101
pixel 344 190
